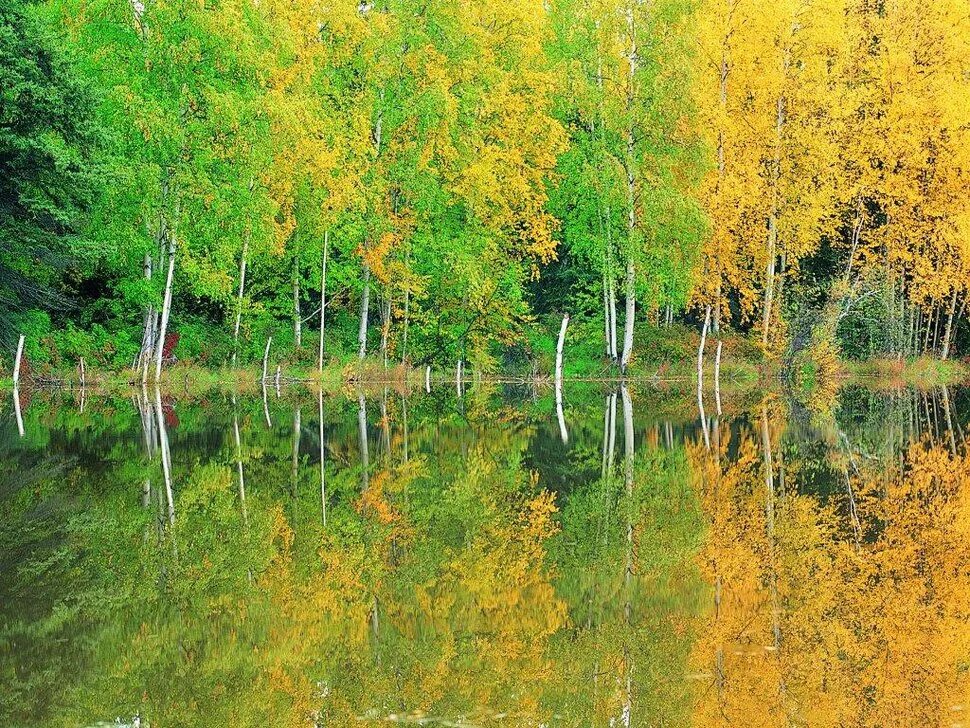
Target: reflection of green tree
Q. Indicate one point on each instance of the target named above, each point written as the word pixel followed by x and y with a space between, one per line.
pixel 664 598
pixel 440 589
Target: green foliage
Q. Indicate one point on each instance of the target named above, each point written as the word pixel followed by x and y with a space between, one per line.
pixel 47 135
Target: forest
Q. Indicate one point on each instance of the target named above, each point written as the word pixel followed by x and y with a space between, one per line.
pixel 419 182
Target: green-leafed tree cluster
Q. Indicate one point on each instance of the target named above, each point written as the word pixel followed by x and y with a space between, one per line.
pixel 431 182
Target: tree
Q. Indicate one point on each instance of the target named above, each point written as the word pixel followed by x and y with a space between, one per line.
pixel 48 138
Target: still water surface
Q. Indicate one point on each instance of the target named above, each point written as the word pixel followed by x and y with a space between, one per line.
pixel 429 560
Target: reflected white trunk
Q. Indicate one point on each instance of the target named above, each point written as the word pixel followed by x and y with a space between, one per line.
pixel 16 410
pixel 239 462
pixel 166 455
pixel 362 436
pixel 323 462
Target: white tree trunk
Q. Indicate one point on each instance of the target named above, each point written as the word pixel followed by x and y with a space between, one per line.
pixel 147 331
pixel 606 316
pixel 404 337
pixel 364 305
pixel 297 317
pixel 631 196
pixel 562 338
pixel 949 326
pixel 700 348
pixel 166 308
pixel 17 360
pixel 700 377
pixel 323 300
pixel 614 353
pixel 266 357
pixel 239 299
pixel 774 212
pixel 631 312
pixel 717 377
pixel 559 347
pixel 427 379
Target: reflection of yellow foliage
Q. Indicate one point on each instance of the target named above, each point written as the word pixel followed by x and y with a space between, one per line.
pixel 818 626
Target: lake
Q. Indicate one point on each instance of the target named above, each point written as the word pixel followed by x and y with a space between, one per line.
pixel 379 557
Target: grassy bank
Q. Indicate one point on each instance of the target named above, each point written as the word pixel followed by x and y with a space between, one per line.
pixel 916 372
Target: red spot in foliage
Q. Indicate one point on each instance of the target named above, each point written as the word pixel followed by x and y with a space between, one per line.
pixel 168 413
pixel 171 341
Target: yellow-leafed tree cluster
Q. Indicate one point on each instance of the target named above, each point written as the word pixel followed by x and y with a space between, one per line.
pixel 840 131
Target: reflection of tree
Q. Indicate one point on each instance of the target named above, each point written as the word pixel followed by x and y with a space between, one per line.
pixel 844 611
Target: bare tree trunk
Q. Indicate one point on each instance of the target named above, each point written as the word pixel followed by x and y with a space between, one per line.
pixel 631 312
pixel 17 360
pixel 606 314
pixel 166 308
pixel 323 299
pixel 243 261
pixel 700 348
pixel 407 317
pixel 385 324
pixel 717 377
pixel 559 347
pixel 427 379
pixel 266 357
pixel 364 305
pixel 612 311
pixel 297 317
pixel 631 301
pixel 856 230
pixel 562 338
pixel 773 217
pixel 147 331
pixel 239 299
pixel 150 346
pixel 700 377
pixel 949 326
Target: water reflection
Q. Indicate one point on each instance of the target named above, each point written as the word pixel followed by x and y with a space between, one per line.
pixel 230 561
